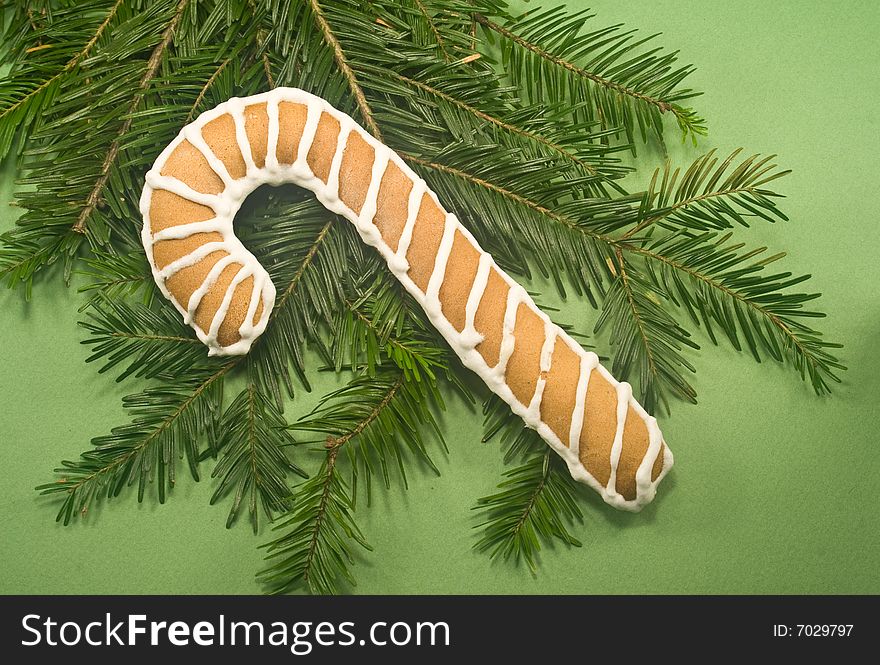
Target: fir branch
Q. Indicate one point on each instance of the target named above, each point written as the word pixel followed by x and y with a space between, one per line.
pixel 475 105
pixel 150 72
pixel 702 201
pixel 379 322
pixel 320 519
pixel 314 548
pixel 647 341
pixel 358 332
pixel 339 55
pixel 370 418
pixel 201 96
pixel 626 287
pixel 517 441
pixel 22 258
pixel 21 114
pixel 718 285
pixel 16 30
pixel 336 442
pixel 536 503
pixel 498 122
pixel 73 62
pixel 307 295
pixel 436 26
pixel 253 465
pixel 116 276
pixel 261 36
pixel 494 187
pixel 146 342
pixel 306 262
pixel 571 67
pixel 473 30
pixel 619 89
pixel 267 67
pixel 433 26
pixel 168 423
pixel 378 419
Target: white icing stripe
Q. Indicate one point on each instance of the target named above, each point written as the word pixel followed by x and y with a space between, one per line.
pixel 223 311
pixel 646 467
pixel 236 110
pixel 655 444
pixel 432 293
pixel 545 364
pixel 412 212
pixel 624 393
pixel 371 198
pixel 193 134
pixel 186 230
pixel 210 279
pixel 192 258
pixel 587 363
pixel 175 186
pixel 508 340
pixel 263 292
pixel 549 342
pixel 247 327
pixel 336 163
pixel 301 166
pixel 469 336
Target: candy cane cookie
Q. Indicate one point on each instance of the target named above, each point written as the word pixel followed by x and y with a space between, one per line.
pixel 200 179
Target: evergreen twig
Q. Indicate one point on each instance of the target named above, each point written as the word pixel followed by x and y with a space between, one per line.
pixel 150 72
pixel 169 422
pixel 498 122
pixel 342 62
pixel 534 504
pixel 313 548
pixel 14 109
pixel 253 465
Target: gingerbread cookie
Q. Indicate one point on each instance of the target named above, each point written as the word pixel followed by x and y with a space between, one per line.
pixel 290 136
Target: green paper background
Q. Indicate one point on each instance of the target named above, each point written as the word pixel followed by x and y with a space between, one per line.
pixel 774 490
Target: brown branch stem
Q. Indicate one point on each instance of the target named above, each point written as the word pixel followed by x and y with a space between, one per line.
pixel 571 67
pixel 71 63
pixel 309 257
pixel 497 121
pixel 534 497
pixel 345 68
pixel 152 67
pixel 434 29
pixel 627 289
pixel 334 443
pixel 322 511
